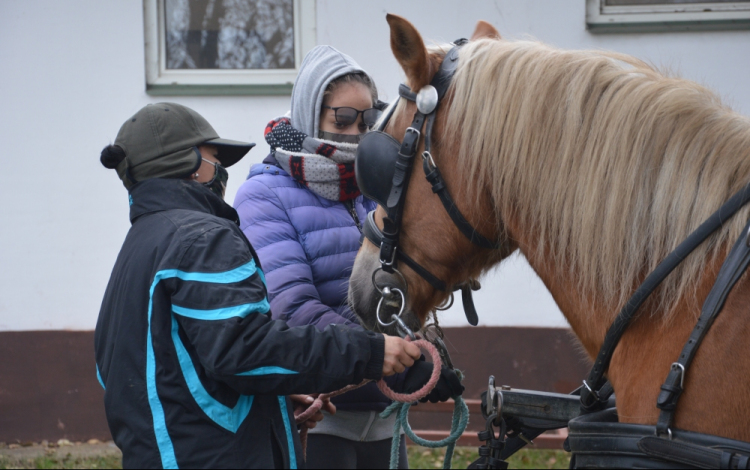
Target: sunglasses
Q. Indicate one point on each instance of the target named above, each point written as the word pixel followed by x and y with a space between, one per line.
pixel 348 116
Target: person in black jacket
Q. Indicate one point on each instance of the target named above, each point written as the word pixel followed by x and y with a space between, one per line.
pixel 195 371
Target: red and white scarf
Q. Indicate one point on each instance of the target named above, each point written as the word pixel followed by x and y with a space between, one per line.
pixel 324 167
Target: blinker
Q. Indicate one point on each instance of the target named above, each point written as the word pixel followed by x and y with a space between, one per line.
pixel 375 165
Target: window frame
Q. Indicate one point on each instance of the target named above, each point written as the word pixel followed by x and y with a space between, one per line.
pixel 601 18
pixel 161 81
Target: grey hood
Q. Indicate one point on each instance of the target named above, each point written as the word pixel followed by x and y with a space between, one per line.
pixel 321 66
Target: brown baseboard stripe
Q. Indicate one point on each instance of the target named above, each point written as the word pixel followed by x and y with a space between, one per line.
pixel 49 390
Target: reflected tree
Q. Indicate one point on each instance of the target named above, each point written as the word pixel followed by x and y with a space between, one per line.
pixel 229 34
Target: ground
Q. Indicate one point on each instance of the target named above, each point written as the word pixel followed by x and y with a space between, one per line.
pixel 95 454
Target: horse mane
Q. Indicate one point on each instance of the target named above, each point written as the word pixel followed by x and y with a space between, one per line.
pixel 604 160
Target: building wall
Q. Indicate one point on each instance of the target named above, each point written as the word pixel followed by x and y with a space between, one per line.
pixel 73 71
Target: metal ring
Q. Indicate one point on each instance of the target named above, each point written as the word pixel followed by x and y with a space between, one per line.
pixel 380 304
pixel 396 271
pixel 442 309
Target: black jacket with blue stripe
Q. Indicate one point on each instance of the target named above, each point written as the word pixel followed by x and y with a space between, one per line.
pixel 195 370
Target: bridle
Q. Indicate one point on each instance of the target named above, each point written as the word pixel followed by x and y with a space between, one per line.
pixel 380 160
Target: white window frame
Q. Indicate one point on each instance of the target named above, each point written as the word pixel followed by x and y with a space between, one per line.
pixel 601 18
pixel 162 81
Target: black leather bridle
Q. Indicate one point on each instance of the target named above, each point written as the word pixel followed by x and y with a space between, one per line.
pixel 383 167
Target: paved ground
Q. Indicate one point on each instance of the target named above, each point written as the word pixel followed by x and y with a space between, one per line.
pixel 58 449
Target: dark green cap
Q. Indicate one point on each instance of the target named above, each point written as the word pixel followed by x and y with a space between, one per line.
pixel 160 141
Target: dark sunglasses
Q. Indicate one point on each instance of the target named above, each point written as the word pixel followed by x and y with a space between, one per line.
pixel 348 116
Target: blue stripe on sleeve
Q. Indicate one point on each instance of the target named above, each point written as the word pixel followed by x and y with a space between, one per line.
pixel 288 427
pixel 163 440
pixel 268 371
pixel 99 377
pixel 228 418
pixel 240 311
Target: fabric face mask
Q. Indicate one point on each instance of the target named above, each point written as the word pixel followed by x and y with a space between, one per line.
pixel 345 138
pixel 218 185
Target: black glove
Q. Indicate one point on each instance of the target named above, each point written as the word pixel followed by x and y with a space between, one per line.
pixel 448 385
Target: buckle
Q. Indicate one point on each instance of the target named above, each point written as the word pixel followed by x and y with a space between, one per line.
pixel 675 367
pixel 591 391
pixel 387 263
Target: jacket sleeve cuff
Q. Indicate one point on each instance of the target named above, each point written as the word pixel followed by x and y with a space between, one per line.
pixel 374 369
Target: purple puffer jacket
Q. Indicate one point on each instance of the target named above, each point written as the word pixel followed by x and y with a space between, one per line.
pixel 306 245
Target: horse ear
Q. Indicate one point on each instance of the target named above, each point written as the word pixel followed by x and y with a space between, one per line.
pixel 409 49
pixel 485 30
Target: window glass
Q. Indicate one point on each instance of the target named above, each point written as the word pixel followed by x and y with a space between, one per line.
pixel 229 34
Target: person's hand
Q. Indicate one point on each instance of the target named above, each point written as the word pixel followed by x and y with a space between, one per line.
pixel 303 402
pixel 448 385
pixel 399 354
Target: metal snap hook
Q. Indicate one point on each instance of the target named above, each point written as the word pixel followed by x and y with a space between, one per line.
pixel 403 329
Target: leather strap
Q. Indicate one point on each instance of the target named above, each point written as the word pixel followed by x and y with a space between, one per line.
pixel 438 187
pixel 595 378
pixel 733 268
pixel 371 231
pixel 691 455
pixel 399 185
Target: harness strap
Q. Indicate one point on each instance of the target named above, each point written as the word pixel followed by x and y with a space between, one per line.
pixel 733 268
pixel 691 455
pixel 438 187
pixel 596 376
pixel 400 183
pixel 371 231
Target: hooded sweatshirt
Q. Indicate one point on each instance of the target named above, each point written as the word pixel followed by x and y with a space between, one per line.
pixel 307 244
pixel 321 66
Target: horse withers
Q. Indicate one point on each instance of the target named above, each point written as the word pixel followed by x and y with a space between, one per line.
pixel 595 166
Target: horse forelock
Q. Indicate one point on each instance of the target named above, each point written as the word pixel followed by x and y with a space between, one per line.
pixel 607 163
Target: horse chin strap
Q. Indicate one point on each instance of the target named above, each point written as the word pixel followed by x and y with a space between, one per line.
pixel 427 100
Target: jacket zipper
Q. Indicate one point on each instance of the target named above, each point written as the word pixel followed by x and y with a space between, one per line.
pixel 353 212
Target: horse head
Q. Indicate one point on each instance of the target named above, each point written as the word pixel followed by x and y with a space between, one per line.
pixel 443 257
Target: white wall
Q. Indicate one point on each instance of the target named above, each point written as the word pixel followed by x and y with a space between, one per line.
pixel 73 71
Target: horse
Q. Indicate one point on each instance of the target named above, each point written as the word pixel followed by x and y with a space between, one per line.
pixel 593 165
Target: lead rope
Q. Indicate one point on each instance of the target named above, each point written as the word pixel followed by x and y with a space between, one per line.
pixel 401 405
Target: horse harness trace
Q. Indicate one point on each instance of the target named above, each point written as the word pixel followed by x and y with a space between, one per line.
pixel 383 167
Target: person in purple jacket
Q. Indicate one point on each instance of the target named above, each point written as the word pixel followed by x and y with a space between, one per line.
pixel 302 211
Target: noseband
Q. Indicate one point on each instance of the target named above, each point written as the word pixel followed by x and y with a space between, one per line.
pixel 383 167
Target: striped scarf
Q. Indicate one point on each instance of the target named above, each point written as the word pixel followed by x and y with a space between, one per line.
pixel 325 168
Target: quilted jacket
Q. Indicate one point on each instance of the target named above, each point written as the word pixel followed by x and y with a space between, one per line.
pixel 307 245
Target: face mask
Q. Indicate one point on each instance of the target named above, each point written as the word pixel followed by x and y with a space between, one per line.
pixel 345 138
pixel 218 185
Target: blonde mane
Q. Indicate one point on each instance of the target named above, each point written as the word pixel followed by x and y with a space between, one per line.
pixel 606 162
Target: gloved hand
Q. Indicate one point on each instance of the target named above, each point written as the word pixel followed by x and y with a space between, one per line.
pixel 418 375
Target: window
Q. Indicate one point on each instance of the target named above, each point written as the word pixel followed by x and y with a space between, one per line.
pixel 604 16
pixel 223 47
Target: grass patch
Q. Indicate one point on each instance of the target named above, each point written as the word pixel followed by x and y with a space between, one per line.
pixel 419 457
pixel 109 461
pixel 422 457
